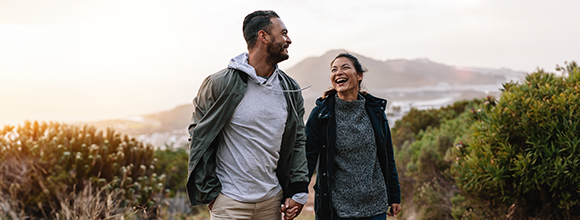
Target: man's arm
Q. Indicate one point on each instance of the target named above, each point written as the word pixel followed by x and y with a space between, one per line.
pixel 201 105
pixel 299 171
pixel 202 101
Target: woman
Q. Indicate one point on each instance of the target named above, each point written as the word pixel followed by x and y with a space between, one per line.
pixel 348 137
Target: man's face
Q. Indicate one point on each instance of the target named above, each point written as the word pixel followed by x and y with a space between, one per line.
pixel 279 42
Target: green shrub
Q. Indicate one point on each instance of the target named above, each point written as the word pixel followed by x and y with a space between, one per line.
pixel 525 151
pixel 406 129
pixel 422 160
pixel 173 162
pixel 40 163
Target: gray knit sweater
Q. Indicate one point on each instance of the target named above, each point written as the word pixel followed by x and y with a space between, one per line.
pixel 359 188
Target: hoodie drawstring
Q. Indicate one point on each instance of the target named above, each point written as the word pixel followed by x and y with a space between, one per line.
pixel 295 90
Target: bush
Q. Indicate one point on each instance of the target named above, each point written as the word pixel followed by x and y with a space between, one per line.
pixel 406 129
pixel 422 160
pixel 42 164
pixel 525 151
pixel 173 162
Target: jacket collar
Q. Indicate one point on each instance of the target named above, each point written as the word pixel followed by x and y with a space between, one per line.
pixel 375 102
pixel 326 104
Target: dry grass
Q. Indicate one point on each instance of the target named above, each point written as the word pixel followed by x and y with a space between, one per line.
pixel 92 204
pixel 87 204
pixel 20 181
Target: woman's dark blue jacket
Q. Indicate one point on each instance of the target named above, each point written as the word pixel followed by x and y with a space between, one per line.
pixel 320 148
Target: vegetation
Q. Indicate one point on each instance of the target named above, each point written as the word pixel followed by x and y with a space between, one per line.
pixel 516 158
pixel 173 163
pixel 46 168
pixel 525 153
pixel 422 139
pixel 415 121
pixel 513 158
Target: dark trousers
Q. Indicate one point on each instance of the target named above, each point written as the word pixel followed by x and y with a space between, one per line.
pixel 376 217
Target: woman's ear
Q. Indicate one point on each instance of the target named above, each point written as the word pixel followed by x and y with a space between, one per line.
pixel 359 78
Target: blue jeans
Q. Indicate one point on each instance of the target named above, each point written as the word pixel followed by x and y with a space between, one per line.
pixel 376 217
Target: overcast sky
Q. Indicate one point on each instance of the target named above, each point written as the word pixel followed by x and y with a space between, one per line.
pixel 69 60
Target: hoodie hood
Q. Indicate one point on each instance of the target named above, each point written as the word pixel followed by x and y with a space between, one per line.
pixel 240 62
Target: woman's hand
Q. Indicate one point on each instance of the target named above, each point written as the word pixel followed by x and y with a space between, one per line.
pixel 395 209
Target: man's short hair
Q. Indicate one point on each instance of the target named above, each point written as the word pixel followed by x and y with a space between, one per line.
pixel 256 21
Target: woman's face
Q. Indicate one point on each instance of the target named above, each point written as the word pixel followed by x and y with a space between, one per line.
pixel 343 76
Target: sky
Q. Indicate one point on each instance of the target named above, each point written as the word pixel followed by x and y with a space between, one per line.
pixel 84 60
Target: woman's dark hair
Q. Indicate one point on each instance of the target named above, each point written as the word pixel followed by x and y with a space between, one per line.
pixel 357 67
pixel 254 22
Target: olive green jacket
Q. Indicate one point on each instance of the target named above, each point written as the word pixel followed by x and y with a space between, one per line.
pixel 218 97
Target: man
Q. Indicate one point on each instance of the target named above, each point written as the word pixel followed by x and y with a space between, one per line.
pixel 247 144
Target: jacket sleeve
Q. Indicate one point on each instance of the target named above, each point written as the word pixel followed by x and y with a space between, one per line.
pixel 394 187
pixel 313 140
pixel 202 187
pixel 298 178
pixel 201 103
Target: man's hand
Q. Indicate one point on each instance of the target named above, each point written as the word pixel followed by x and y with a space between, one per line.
pixel 395 209
pixel 291 209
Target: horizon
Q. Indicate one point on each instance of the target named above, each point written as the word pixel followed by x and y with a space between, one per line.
pixel 71 61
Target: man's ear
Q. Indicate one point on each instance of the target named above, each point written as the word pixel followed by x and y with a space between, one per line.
pixel 263 36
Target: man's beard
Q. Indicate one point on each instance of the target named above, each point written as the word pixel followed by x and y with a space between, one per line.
pixel 276 52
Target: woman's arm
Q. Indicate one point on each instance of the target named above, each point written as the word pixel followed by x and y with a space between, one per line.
pixel 394 187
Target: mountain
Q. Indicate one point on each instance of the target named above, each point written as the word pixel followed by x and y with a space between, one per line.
pixel 406 84
pixel 393 73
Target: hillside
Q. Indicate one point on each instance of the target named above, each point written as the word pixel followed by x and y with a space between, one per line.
pixel 167 127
